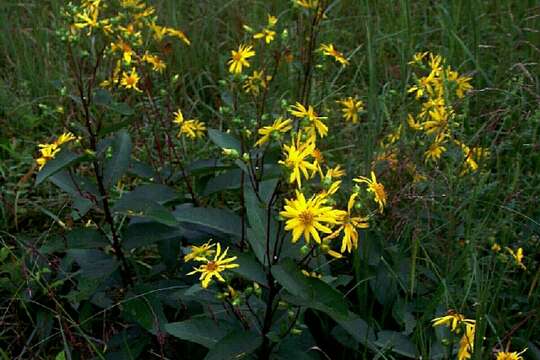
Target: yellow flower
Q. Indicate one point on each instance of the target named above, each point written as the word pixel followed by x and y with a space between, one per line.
pixel 239 58
pixel 266 34
pixel 200 253
pixel 418 58
pixel 434 152
pixel 64 138
pixel 351 108
pixel 256 81
pixel 214 267
pixel 376 188
pixel 48 152
pixel 452 320
pixel 178 34
pixel 518 257
pixel 439 120
pixel 506 355
pixel 154 60
pixel 89 17
pixel 178 117
pixel 348 224
pixel 312 274
pixel 124 48
pixel 272 21
pixel 308 217
pixel 496 247
pixel 466 344
pixel 307 4
pixel 335 173
pixel 159 31
pixel 298 110
pixel 296 160
pixel 193 129
pixel 413 124
pixel 130 81
pixel 329 50
pixel 135 4
pixel 463 85
pixel 280 125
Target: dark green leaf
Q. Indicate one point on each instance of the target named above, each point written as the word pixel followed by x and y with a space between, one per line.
pixel 146 208
pixel 249 268
pixel 227 180
pixel 117 165
pixel 86 238
pixel 143 232
pixel 235 345
pixel 94 264
pixel 224 140
pixel 62 160
pixel 221 220
pixel 358 329
pixel 156 192
pixel 203 331
pixel 397 342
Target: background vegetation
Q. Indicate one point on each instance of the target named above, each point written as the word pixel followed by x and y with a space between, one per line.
pixel 430 252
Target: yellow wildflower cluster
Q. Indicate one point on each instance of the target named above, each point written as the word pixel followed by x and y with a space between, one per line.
pixel 507 355
pixel 126 32
pixel 330 50
pixel 49 151
pixel 351 107
pixel 211 266
pixel 436 117
pixel 193 129
pixel 458 324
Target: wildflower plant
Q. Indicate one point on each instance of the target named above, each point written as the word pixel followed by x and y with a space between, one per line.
pixel 234 224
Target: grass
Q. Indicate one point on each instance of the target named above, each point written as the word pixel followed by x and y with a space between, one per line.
pixel 445 230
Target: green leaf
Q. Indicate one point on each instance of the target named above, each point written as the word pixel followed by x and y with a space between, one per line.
pixel 358 329
pixel 117 165
pixel 62 160
pixel 235 345
pixel 147 311
pixel 74 184
pixel 249 268
pixel 156 192
pixel 143 232
pixel 132 205
pixel 95 264
pixel 86 238
pixel 200 330
pixel 122 108
pixel 218 219
pixel 308 291
pixel 224 140
pixel 227 180
pixel 397 342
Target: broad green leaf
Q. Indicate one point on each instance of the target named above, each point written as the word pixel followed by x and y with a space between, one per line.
pixel 224 140
pixel 145 310
pixel 358 329
pixel 308 291
pixel 63 159
pixel 133 205
pixel 117 165
pixel 86 238
pixel 397 342
pixel 157 192
pixel 249 268
pixel 235 345
pixel 142 232
pixel 122 108
pixel 200 330
pixel 95 264
pixel 227 180
pixel 73 184
pixel 221 220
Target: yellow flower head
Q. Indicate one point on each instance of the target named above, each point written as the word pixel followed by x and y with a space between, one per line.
pixel 434 152
pixel 308 217
pixel 298 110
pixel 506 355
pixel 130 81
pixel 374 187
pixel 154 60
pixel 239 58
pixel 466 344
pixel 517 256
pixel 280 125
pixel 256 81
pixel 296 160
pixel 307 4
pixel 178 34
pixel 452 320
pixel 200 253
pixel 65 138
pixel 266 34
pixel 329 50
pixel 48 152
pixel 348 224
pixel 193 129
pixel 351 108
pixel 214 268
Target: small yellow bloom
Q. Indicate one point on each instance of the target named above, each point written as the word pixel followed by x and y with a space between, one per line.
pixel 48 152
pixel 266 34
pixel 193 129
pixel 130 81
pixel 308 217
pixel 154 60
pixel 280 125
pixel 65 138
pixel 298 110
pixel 312 274
pixel 296 160
pixel 239 58
pixel 214 267
pixel 351 108
pixel 178 34
pixel 329 50
pixel 452 320
pixel 200 253
pixel 496 247
pixel 466 344
pixel 434 152
pixel 256 81
pixel 348 223
pixel 307 4
pixel 506 355
pixel 418 58
pixel 376 188
pixel 518 257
